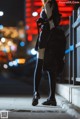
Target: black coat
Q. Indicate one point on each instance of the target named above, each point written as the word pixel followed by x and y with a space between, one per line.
pixel 53 41
pixel 55 50
pixel 45 27
pixel 42 37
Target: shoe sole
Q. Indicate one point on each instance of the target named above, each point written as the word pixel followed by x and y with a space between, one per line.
pixel 51 104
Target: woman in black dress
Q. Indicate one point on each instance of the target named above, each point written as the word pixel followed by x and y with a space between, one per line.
pixel 50 46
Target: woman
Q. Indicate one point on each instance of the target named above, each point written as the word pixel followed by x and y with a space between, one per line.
pixel 47 58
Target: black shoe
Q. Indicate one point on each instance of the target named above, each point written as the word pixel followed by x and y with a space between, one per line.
pixel 36 96
pixel 50 102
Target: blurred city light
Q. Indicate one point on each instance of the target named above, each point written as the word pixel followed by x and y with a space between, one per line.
pixel 1 27
pixel 10 43
pixel 5 66
pixel 0 43
pixel 10 64
pixel 27 27
pixel 22 35
pixel 34 14
pixel 21 61
pixel 22 44
pixel 1 13
pixel 4 49
pixel 13 47
pixel 15 63
pixel 33 52
pixel 3 39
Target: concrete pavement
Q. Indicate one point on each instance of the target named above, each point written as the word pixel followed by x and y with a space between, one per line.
pixel 39 115
pixel 20 107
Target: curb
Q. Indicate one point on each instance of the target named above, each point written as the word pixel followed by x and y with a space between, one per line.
pixel 70 108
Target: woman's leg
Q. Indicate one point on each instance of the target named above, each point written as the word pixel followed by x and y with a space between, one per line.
pixel 38 69
pixel 37 76
pixel 52 84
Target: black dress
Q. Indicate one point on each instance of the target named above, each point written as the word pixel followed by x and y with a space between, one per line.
pixel 55 50
pixel 54 42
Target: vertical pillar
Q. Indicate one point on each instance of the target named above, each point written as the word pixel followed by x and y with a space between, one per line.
pixel 74 15
pixel 70 54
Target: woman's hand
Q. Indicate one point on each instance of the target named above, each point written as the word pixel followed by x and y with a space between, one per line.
pixel 40 20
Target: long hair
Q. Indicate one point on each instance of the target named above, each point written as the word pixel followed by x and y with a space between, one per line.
pixel 56 14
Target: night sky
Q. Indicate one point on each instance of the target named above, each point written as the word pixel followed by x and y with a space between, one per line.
pixel 13 12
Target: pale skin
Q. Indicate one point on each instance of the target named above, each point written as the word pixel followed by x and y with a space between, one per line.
pixel 41 51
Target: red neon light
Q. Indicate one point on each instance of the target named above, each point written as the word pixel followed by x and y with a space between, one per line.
pixel 65 9
pixel 66 14
pixel 28 5
pixel 61 4
pixel 29 31
pixel 38 10
pixel 62 0
pixel 66 22
pixel 37 3
pixel 28 20
pixel 28 15
pixel 28 10
pixel 29 37
pixel 35 32
pixel 28 1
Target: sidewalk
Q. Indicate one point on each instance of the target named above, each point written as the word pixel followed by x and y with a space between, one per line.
pixel 22 104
